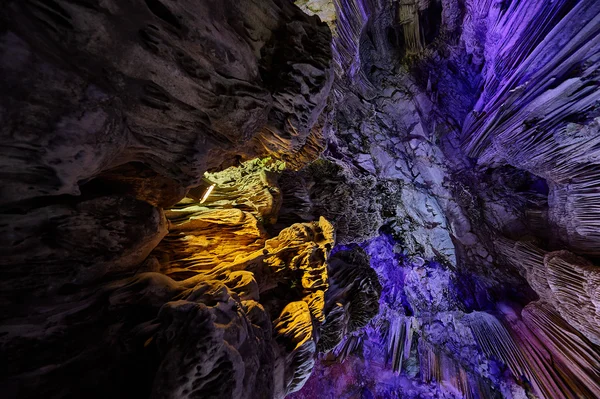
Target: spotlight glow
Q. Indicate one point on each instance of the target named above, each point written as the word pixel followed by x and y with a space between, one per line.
pixel 207 193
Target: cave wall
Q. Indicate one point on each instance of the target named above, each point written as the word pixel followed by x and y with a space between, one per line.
pixel 111 112
pixel 457 172
pixel 478 122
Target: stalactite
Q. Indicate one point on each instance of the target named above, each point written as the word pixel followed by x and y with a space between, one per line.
pixel 282 284
pixel 540 83
pixel 575 284
pixel 575 207
pixel 529 260
pixel 408 17
pixel 241 296
pixel 525 357
pixel 312 148
pixel 334 328
pixel 222 237
pixel 439 368
pixel 541 350
pixel 430 364
pixel 300 251
pixel 512 32
pixel 496 342
pixel 353 281
pixel 399 341
pixel 577 360
pixel 349 346
pixel 352 17
pixel 568 282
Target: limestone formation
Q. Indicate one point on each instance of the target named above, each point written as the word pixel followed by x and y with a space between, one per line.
pixel 325 9
pixel 54 247
pixel 302 198
pixel 567 282
pixel 478 120
pixel 225 331
pixel 112 111
pixel 530 114
pixel 189 87
pixel 324 188
pixel 352 299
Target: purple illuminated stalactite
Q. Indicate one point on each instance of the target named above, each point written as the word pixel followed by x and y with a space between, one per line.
pixel 538 108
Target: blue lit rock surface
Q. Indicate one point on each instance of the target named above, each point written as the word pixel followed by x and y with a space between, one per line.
pixel 425 223
pixel 479 122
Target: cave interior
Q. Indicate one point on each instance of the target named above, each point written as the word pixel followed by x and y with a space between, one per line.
pixel 336 199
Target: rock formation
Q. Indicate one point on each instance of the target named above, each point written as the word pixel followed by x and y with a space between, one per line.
pixel 190 86
pixel 111 113
pixel 478 122
pixel 352 299
pixel 302 198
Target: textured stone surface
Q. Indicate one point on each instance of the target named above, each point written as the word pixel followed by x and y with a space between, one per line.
pixel 456 148
pixel 180 86
pixel 325 9
pixel 112 111
pixel 352 299
pixel 75 243
pixel 566 281
pixel 476 121
pixel 223 332
pixel 327 189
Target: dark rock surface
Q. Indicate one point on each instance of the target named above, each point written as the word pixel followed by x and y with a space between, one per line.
pixel 180 86
pixel 111 111
pixel 175 176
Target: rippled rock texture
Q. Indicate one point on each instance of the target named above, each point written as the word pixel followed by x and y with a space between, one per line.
pixel 111 113
pixel 478 122
pixel 212 199
pixel 182 87
pixel 223 306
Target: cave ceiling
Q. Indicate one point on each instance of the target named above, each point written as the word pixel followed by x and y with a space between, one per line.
pixel 255 199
